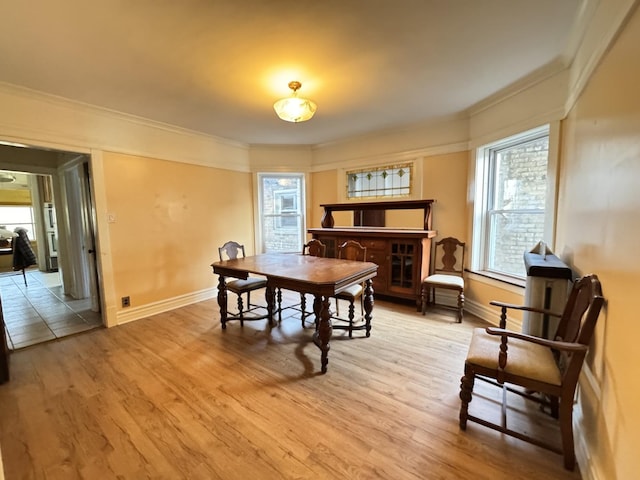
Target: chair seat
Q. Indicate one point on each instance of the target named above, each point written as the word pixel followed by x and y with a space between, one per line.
pixel 445 281
pixel 524 358
pixel 246 285
pixel 351 292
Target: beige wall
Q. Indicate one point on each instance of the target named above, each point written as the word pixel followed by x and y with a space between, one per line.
pixel 324 189
pixel 598 231
pixel 169 220
pixel 445 180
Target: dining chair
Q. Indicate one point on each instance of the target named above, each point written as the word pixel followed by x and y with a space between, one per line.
pixel 446 273
pixel 535 368
pixel 352 250
pixel 230 251
pixel 23 255
pixel 314 248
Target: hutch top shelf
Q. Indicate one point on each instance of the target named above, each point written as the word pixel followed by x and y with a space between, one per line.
pixel 425 205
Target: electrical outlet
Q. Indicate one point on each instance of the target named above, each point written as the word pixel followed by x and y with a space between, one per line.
pixel 126 301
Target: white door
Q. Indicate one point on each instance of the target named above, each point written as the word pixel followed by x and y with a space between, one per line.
pixel 281 203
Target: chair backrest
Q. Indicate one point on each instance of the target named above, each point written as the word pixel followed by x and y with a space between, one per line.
pixel 230 250
pixel 578 322
pixel 315 248
pixel 448 257
pixel 352 250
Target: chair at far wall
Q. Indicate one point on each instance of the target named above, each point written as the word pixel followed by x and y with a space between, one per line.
pixel 230 251
pixel 315 248
pixel 352 250
pixel 535 368
pixel 23 254
pixel 446 273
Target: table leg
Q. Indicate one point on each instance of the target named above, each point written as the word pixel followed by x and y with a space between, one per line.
pixel 368 305
pixel 271 302
pixel 279 305
pixel 322 335
pixel 222 301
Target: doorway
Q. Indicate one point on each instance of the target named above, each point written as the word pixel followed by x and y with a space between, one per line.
pixel 60 296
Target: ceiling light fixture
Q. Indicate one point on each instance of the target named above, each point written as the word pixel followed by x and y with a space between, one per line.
pixel 6 177
pixel 294 108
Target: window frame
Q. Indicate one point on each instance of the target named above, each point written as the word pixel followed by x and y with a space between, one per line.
pixel 484 190
pixel 300 203
pixel 30 226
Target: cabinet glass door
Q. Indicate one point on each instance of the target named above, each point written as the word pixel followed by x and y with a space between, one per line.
pixel 402 262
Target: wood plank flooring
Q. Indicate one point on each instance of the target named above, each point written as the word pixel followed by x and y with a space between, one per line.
pixel 174 396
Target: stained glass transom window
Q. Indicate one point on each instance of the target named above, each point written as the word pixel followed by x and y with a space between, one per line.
pixel 387 181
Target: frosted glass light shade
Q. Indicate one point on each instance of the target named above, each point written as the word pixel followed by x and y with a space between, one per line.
pixel 295 109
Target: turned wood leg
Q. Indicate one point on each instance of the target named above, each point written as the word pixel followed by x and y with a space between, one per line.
pixel 466 389
pixel 322 335
pixel 271 302
pixel 240 308
pixel 279 305
pixel 303 307
pixel 222 300
pixel 317 309
pixel 368 305
pixel 460 306
pixel 352 315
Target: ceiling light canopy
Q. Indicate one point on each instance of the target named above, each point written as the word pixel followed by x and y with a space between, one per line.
pixel 294 108
pixel 6 177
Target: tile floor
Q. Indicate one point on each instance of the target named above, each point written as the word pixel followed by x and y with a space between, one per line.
pixel 40 311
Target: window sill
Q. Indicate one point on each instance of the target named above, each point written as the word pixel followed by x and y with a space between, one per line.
pixel 512 284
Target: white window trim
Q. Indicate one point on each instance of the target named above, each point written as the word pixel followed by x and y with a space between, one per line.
pixel 257 188
pixel 480 200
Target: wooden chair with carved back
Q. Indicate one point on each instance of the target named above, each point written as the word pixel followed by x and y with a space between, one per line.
pixel 229 251
pixel 352 250
pixel 446 273
pixel 538 369
pixel 314 248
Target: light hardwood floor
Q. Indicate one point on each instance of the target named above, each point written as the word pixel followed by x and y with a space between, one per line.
pixel 174 396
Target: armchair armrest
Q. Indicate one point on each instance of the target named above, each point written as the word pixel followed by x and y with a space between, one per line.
pixel 525 308
pixel 566 346
pixel 505 306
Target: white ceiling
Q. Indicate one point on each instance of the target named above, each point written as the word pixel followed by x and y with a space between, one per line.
pixel 217 66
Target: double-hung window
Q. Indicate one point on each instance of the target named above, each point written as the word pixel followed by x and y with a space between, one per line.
pixel 511 202
pixel 281 212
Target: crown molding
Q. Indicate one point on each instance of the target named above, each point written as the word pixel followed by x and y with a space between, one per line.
pixel 558 65
pixel 601 23
pixel 46 119
pixel 63 102
pixel 384 158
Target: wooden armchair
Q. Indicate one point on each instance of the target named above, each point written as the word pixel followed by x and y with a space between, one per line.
pixel 230 251
pixel 538 369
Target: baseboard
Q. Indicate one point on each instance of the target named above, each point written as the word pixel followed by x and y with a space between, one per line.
pixel 136 313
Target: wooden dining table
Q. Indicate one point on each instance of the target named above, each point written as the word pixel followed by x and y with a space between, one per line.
pixel 321 277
